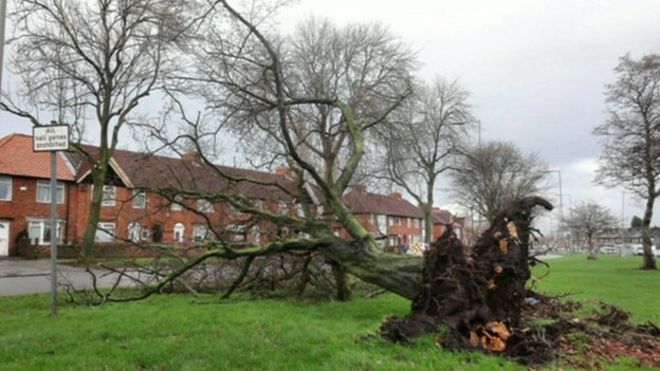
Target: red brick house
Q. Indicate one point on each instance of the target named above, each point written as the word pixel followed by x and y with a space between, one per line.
pixel 389 218
pixel 444 218
pixel 25 192
pixel 128 213
pixel 166 213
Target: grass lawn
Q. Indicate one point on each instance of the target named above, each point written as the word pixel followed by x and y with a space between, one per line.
pixel 609 278
pixel 172 332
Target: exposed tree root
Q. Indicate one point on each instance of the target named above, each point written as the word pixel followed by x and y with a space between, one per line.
pixel 480 296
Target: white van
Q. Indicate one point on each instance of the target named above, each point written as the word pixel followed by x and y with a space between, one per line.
pixel 638 249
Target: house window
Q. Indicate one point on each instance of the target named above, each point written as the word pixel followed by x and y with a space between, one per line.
pixel 105 232
pixel 282 208
pixel 255 234
pixel 236 232
pixel 179 232
pixel 382 222
pixel 372 219
pixel 204 206
pixel 390 221
pixel 139 200
pixel 5 188
pixel 39 231
pixel 200 232
pixel 109 195
pixel 176 203
pixel 134 231
pixel 43 191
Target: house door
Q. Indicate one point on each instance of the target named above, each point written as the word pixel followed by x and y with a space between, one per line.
pixel 4 238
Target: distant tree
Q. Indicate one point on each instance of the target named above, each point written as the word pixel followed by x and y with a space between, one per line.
pixel 494 174
pixel 422 138
pixel 90 61
pixel 636 222
pixel 588 220
pixel 630 156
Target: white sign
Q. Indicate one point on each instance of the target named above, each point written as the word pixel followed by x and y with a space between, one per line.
pixel 50 138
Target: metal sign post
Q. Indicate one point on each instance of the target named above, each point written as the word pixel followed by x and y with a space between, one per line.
pixel 52 139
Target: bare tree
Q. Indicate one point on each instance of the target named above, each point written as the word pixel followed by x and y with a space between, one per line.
pixel 630 156
pixel 494 174
pixel 589 219
pixel 107 56
pixel 337 84
pixel 422 140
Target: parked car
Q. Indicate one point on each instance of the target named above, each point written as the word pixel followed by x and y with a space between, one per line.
pixel 608 249
pixel 638 249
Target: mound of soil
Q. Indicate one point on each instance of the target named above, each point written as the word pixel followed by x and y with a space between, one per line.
pixel 476 297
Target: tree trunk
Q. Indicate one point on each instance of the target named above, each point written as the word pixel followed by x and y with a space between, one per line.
pixel 94 209
pixel 400 274
pixel 592 250
pixel 649 259
pixel 341 280
pixel 428 214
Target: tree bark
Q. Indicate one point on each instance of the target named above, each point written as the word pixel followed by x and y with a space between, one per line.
pixel 649 259
pixel 592 250
pixel 341 280
pixel 95 207
pixel 428 213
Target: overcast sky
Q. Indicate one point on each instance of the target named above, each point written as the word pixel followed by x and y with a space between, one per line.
pixel 536 69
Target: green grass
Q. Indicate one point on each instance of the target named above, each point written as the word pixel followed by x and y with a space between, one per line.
pixel 610 278
pixel 172 332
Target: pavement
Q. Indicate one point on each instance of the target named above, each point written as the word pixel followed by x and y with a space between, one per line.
pixel 20 277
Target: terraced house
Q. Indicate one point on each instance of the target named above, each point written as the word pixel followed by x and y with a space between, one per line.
pixel 136 205
pixel 149 198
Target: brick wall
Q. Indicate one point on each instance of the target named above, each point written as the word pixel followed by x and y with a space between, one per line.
pixel 24 205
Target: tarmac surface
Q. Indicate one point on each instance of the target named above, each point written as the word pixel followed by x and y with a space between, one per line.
pixel 20 277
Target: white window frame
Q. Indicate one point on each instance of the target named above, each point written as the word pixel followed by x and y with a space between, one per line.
pixel 282 208
pixel 236 232
pixel 103 227
pixel 176 203
pixel 46 184
pixel 107 201
pixel 139 195
pixel 196 235
pixel 381 222
pixel 179 227
pixel 134 232
pixel 9 182
pixel 204 206
pixel 42 223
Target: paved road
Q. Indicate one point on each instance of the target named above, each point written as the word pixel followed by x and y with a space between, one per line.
pixel 19 277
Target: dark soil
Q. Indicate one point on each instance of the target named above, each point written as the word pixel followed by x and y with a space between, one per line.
pixel 476 298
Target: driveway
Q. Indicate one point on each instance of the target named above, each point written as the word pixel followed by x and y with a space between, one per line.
pixel 19 277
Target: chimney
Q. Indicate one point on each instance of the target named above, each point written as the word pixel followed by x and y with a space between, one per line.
pixel 284 171
pixel 395 195
pixel 191 156
pixel 360 188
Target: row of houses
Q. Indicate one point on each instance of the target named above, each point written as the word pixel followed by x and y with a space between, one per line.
pixel 131 214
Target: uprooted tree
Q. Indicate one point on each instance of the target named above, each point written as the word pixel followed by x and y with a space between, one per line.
pixel 244 76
